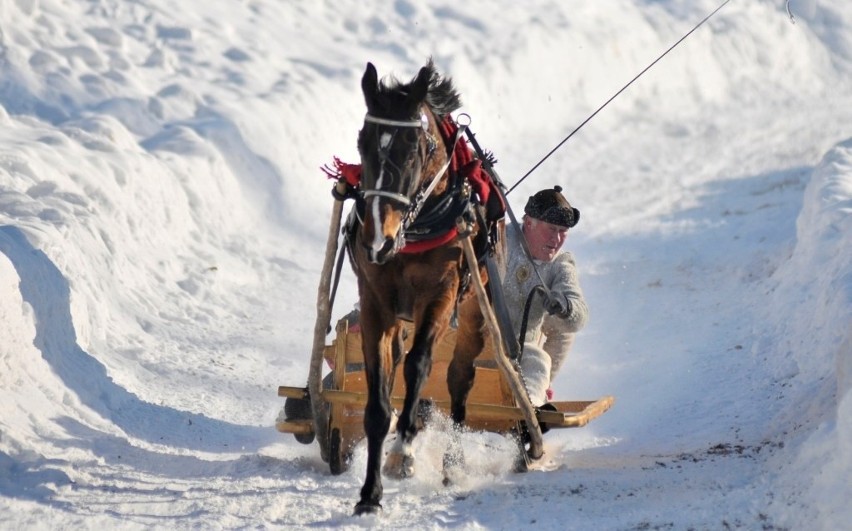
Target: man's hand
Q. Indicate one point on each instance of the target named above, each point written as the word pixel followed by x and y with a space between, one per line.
pixel 557 304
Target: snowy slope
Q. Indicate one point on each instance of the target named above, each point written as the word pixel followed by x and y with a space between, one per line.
pixel 162 223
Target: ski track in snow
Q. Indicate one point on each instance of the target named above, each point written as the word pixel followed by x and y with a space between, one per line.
pixel 163 220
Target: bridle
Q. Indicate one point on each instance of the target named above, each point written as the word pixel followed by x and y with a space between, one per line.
pixel 414 205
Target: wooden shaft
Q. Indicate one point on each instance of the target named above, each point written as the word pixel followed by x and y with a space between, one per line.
pixel 536 449
pixel 321 326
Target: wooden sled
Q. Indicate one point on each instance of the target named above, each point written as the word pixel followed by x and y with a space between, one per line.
pixel 497 402
pixel 491 405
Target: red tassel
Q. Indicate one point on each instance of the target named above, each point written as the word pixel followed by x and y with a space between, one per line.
pixel 351 173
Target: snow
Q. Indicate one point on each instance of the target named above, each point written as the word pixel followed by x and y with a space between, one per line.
pixel 163 221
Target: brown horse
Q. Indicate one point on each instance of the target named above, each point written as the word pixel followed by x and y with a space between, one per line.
pixel 409 191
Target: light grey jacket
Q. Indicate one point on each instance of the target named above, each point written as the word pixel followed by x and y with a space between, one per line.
pixel 560 276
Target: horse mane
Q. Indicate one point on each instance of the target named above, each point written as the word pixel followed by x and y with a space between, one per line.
pixel 441 97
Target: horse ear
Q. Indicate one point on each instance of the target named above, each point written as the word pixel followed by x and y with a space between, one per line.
pixel 420 85
pixel 370 85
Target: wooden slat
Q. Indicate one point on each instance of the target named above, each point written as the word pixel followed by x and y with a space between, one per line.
pixel 568 415
pixel 352 349
pixel 575 414
pixel 487 385
pixel 554 419
pixel 443 350
pixel 302 426
pixel 292 392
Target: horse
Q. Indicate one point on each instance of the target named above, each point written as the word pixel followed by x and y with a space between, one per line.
pixel 407 188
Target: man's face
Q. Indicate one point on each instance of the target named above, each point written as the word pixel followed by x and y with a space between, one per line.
pixel 544 239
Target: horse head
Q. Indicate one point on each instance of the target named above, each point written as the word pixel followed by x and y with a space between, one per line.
pixel 399 157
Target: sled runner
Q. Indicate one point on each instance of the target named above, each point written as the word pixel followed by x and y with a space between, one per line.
pixel 491 404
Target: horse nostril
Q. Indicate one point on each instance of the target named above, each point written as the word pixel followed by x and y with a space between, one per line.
pixel 386 252
pixel 382 254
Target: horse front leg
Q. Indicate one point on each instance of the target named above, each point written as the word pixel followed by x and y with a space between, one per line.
pixel 416 369
pixel 377 413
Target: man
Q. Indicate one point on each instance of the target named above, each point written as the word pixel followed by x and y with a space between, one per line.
pixel 556 316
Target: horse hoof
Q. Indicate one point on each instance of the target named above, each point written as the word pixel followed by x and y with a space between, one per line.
pixel 399 466
pixel 362 508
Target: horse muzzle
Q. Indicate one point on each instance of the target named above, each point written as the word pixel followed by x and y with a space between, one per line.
pixel 381 251
pixel 382 231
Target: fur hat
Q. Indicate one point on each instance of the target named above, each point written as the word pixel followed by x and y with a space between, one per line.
pixel 550 205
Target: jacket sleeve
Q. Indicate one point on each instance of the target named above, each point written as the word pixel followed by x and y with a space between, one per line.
pixel 565 282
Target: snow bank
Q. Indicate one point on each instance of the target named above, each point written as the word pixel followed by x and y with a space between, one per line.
pixel 162 220
pixel 812 310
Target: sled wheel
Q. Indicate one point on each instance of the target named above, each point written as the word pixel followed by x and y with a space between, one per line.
pixel 299 409
pixel 339 457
